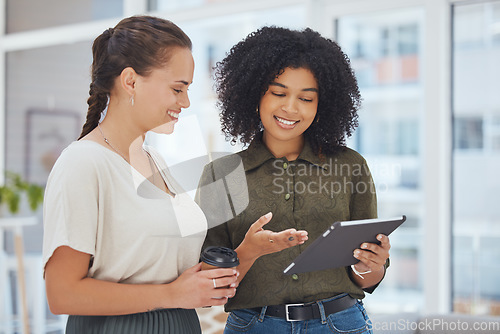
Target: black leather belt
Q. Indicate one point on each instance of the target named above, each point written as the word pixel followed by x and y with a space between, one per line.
pixel 300 312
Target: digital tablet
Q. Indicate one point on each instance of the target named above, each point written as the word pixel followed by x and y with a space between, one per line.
pixel 335 247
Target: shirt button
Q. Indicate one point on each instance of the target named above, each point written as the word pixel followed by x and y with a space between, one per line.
pixel 285 165
pixel 287 197
pixel 295 277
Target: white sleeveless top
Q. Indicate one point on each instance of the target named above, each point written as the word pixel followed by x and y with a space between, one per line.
pixel 96 203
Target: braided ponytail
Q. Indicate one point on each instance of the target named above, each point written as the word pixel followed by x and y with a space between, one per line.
pixel 98 92
pixel 97 103
pixel 141 42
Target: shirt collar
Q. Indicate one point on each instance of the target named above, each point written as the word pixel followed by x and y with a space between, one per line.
pixel 257 154
pixel 308 155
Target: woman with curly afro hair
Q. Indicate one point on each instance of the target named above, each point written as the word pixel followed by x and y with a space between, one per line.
pixel 292 97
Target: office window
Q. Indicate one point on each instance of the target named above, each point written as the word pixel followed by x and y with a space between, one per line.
pixel 469 133
pixel 388 137
pixel 476 158
pixel 25 15
pixel 408 39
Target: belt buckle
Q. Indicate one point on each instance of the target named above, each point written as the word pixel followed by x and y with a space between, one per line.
pixel 286 311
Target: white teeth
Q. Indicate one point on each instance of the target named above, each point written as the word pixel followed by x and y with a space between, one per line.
pixel 173 114
pixel 284 121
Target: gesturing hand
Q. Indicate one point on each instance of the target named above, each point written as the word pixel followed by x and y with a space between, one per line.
pixel 260 242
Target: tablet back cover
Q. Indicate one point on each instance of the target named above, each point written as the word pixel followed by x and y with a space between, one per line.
pixel 336 246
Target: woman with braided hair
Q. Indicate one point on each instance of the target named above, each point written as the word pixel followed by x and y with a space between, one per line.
pixel 116 255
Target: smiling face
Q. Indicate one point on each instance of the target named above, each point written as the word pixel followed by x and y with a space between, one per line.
pixel 287 109
pixel 163 93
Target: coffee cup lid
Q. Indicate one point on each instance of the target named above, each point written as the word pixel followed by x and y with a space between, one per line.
pixel 220 257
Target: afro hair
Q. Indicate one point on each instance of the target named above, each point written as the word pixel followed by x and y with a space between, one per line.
pixel 244 75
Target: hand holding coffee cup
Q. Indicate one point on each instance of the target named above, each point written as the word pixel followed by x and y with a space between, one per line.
pixel 214 257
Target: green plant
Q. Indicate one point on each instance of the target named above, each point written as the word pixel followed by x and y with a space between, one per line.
pixel 14 187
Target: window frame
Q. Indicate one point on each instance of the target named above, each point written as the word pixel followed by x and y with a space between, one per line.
pixel 436 136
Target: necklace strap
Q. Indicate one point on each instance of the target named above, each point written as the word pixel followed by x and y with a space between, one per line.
pixel 150 158
pixel 109 144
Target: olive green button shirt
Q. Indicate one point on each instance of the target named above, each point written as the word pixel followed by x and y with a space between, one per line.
pixel 309 194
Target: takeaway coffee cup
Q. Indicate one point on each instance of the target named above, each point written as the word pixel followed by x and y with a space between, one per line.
pixel 218 257
pixel 214 257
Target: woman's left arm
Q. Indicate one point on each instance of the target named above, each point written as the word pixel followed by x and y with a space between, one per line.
pixel 370 269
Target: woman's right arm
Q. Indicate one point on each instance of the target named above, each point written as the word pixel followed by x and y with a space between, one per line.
pixel 259 242
pixel 70 291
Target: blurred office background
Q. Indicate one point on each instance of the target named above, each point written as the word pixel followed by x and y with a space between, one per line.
pixel 429 127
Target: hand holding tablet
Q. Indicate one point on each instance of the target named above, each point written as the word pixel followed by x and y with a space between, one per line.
pixel 334 248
